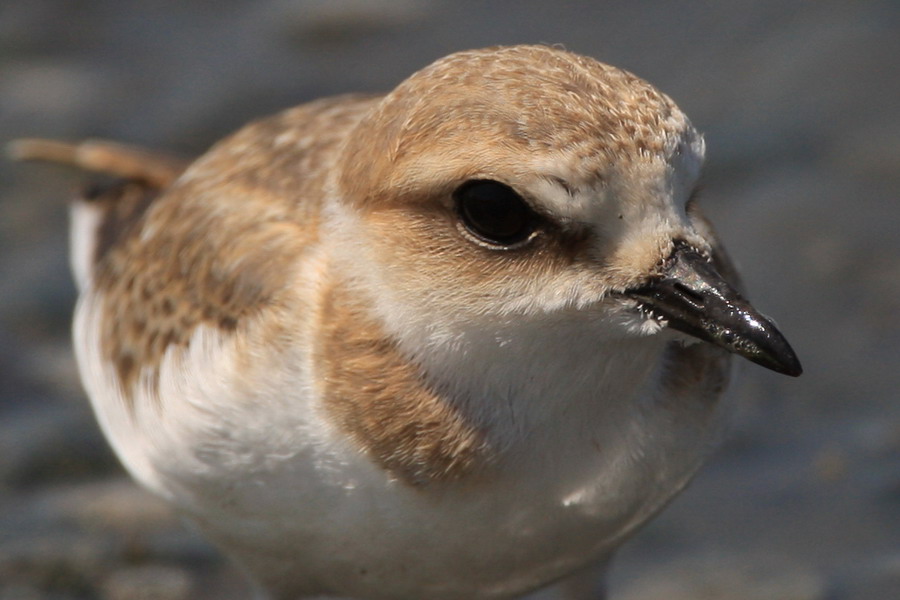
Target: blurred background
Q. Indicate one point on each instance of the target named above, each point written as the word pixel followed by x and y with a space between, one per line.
pixel 800 104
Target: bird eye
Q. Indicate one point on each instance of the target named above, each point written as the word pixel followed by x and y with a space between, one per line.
pixel 494 213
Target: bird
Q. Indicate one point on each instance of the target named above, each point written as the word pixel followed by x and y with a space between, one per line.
pixel 456 341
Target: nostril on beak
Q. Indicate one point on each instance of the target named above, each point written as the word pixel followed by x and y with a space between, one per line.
pixel 692 296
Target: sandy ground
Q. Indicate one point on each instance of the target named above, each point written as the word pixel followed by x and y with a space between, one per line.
pixel 800 103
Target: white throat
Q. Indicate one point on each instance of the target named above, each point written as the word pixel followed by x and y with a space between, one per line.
pixel 563 374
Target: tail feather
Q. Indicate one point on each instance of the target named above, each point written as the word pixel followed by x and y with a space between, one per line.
pixel 128 162
pixel 104 215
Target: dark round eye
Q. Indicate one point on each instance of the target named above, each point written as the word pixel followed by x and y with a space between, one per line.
pixel 494 213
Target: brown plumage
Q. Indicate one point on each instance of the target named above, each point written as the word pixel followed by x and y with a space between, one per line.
pixel 418 344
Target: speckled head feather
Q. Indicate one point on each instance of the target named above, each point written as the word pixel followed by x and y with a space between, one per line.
pixel 605 157
pixel 517 107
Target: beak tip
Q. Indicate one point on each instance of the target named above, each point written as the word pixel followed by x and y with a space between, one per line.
pixel 791 367
pixel 695 299
pixel 795 370
pixel 774 352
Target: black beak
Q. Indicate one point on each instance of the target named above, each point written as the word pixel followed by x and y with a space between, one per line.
pixel 691 296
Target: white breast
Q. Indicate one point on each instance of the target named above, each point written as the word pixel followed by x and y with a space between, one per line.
pixel 587 454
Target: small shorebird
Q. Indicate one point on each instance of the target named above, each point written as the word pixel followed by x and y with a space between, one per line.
pixel 454 342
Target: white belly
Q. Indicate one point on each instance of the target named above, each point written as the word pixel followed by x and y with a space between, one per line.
pixel 341 525
pixel 268 477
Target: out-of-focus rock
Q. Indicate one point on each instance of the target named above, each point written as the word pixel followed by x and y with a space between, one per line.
pixel 152 582
pixel 718 579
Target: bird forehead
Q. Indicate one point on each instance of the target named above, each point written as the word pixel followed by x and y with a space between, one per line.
pixel 516 114
pixel 540 98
